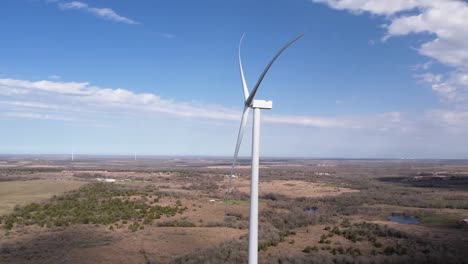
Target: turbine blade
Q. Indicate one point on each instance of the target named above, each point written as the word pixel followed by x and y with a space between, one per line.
pixel 249 100
pixel 244 83
pixel 240 135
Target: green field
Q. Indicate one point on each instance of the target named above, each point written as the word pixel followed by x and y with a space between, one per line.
pixel 14 193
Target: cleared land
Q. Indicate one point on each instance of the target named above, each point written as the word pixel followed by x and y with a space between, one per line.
pixel 18 193
pixel 90 244
pixel 295 188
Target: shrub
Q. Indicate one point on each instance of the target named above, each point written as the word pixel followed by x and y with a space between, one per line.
pixel 389 250
pixel 310 249
pixel 177 223
pixel 273 197
pixel 231 252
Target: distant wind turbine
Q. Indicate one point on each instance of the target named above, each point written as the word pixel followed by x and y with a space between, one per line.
pixel 257 105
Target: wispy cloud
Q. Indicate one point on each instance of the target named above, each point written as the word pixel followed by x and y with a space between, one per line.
pixel 29 104
pixel 80 104
pixel 313 121
pixel 86 96
pixel 30 115
pixel 83 101
pixel 104 13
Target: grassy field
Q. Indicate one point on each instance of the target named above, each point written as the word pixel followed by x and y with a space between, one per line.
pixel 20 193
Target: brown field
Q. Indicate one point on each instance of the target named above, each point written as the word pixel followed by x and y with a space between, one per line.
pixel 310 211
pixel 294 188
pixel 82 244
pixel 23 192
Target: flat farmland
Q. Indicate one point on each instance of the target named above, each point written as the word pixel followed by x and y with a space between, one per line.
pixel 18 193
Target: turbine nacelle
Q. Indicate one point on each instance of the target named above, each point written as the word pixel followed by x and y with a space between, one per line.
pixel 261 104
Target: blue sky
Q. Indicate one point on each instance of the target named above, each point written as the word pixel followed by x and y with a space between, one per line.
pixel 370 78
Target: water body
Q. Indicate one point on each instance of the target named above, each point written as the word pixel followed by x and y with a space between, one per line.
pixel 404 219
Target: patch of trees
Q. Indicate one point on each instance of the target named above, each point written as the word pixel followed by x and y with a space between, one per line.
pixel 438 181
pixel 352 203
pixel 22 171
pixel 363 231
pixel 96 203
pixel 87 175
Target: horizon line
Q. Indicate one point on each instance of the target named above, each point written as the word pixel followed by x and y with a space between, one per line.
pixel 182 156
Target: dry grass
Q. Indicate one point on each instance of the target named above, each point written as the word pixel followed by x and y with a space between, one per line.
pixel 294 188
pixel 24 192
pixel 90 244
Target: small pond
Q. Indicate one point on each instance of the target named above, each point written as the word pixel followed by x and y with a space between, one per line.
pixel 404 219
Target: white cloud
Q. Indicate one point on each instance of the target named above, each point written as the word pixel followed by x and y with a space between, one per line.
pixel 105 13
pixel 50 86
pixel 27 104
pixel 444 19
pixel 379 7
pixel 445 22
pixel 452 88
pixel 455 121
pixel 83 95
pixel 311 121
pixel 30 115
pixel 422 66
pixel 82 101
pixel 8 91
pixel 80 104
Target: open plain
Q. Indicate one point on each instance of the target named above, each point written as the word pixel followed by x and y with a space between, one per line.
pixel 117 210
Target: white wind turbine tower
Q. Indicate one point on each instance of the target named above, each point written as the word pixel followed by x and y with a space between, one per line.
pixel 257 105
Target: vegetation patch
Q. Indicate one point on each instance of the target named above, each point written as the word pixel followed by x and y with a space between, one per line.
pixel 97 203
pixel 233 202
pixel 440 219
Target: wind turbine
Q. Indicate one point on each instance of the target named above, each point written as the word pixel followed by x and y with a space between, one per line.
pixel 256 105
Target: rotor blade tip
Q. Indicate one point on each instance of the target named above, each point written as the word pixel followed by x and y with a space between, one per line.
pixel 242 38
